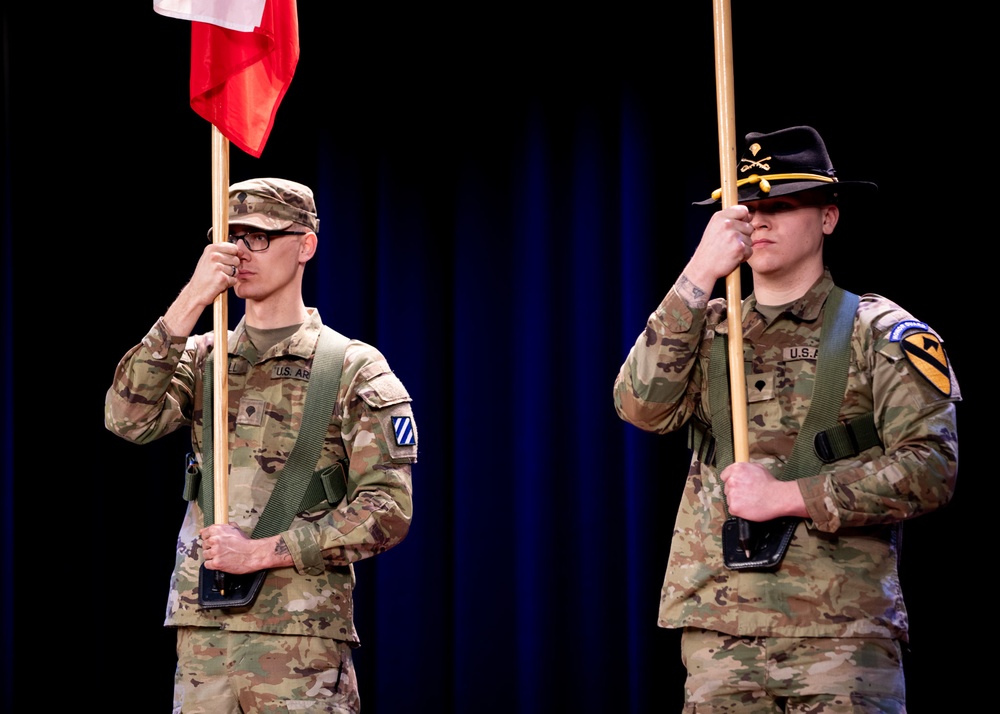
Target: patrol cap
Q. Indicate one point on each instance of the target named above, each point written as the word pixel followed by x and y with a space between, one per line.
pixel 272 204
pixel 787 161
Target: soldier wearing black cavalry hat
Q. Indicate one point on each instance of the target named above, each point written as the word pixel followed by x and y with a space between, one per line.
pixel 783 568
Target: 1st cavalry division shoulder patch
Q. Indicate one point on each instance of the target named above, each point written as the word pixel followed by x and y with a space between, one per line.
pixel 924 351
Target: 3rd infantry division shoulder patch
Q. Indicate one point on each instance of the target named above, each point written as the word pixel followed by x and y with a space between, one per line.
pixel 927 356
pixel 402 426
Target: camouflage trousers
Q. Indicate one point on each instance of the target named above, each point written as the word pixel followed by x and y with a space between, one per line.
pixel 768 675
pixel 222 672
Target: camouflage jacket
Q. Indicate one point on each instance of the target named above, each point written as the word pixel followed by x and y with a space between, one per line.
pixel 158 388
pixel 839 577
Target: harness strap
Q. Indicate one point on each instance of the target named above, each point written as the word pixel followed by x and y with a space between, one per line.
pixel 847 439
pixel 718 395
pixel 830 384
pixel 814 444
pixel 297 487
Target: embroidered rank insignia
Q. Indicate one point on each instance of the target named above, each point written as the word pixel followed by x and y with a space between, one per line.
pixel 403 428
pixel 925 353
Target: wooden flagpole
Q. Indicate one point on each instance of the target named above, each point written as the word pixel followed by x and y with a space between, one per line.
pixel 726 103
pixel 220 317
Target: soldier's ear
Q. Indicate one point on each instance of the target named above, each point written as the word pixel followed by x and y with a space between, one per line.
pixel 307 248
pixel 831 214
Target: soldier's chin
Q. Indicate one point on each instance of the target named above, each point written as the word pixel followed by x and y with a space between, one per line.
pixel 248 291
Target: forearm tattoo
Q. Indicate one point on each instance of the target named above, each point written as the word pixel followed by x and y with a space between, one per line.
pixel 692 295
pixel 280 548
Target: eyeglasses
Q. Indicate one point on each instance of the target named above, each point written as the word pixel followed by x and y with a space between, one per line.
pixel 258 241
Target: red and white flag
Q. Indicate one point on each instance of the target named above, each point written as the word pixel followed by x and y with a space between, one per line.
pixel 242 16
pixel 239 76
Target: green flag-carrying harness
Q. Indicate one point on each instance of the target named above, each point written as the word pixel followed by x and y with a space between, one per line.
pixel 299 486
pixel 822 438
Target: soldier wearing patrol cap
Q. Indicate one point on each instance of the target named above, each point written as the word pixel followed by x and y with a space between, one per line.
pixel 805 613
pixel 292 642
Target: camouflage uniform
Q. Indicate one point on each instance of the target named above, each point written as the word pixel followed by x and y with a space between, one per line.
pixel 839 577
pixel 158 388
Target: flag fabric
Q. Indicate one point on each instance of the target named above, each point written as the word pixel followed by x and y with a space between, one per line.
pixel 239 78
pixel 242 16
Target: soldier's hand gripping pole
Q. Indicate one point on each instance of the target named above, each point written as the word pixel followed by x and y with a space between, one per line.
pixel 727 164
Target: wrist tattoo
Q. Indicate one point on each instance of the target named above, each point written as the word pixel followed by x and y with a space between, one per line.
pixel 280 548
pixel 691 293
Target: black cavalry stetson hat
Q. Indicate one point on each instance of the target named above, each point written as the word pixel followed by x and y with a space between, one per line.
pixel 786 161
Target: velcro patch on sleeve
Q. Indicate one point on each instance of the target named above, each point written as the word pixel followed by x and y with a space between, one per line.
pixel 383 390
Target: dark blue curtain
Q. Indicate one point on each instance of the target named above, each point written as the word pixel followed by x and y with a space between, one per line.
pixel 7 435
pixel 501 208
